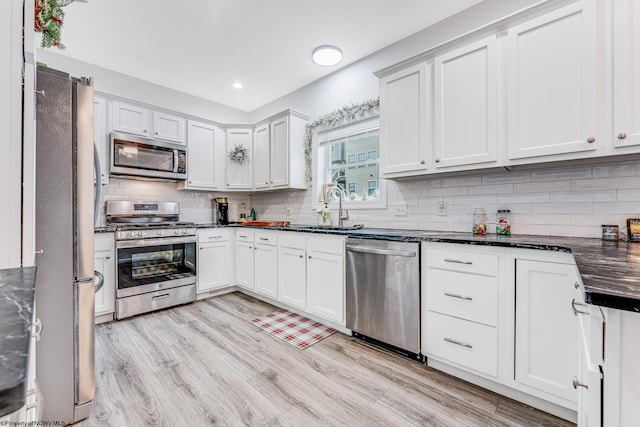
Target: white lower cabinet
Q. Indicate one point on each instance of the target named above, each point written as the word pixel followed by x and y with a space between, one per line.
pixel 215 258
pixel 547 343
pixel 326 277
pixel 266 263
pixel 292 269
pixel 104 262
pixel 244 259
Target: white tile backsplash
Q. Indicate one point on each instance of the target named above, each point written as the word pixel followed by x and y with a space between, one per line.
pixel 564 201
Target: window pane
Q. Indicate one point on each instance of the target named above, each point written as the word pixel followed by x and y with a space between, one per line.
pixel 373 154
pixel 351 158
pixel 362 156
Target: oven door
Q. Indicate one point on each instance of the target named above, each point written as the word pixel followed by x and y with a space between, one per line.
pixel 149 265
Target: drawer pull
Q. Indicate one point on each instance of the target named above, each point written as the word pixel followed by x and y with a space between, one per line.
pixel 457 261
pixel 244 237
pixel 215 237
pixel 460 343
pixel 575 310
pixel 577 384
pixel 458 296
pixel 163 296
pixel 264 238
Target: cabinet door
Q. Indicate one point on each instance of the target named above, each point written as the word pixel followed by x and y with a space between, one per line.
pixel 101 137
pixel 245 265
pixel 404 137
pixel 130 119
pixel 266 270
pixel 465 92
pixel 168 127
pixel 104 262
pixel 201 157
pixel 280 152
pixel 552 83
pixel 325 285
pixel 292 277
pixel 214 263
pixel 239 176
pixel 261 174
pixel 546 335
pixel 626 72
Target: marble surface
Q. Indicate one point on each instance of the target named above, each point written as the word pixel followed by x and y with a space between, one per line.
pixel 610 271
pixel 17 294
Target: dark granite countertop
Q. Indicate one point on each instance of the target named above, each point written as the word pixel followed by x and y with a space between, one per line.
pixel 17 294
pixel 105 229
pixel 610 271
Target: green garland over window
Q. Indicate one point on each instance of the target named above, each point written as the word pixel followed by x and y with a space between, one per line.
pixel 346 113
pixel 48 21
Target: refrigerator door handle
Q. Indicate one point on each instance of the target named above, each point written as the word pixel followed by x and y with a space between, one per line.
pixel 99 283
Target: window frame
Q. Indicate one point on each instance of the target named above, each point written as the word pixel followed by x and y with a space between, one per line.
pixel 354 127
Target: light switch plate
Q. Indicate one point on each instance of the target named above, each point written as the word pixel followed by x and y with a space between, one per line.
pixel 442 208
pixel 400 209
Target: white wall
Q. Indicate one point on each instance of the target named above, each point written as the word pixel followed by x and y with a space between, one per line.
pixel 127 87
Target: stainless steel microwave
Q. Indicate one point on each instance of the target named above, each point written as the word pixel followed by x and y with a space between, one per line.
pixel 136 157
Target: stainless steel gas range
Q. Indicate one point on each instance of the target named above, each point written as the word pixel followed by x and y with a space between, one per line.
pixel 156 256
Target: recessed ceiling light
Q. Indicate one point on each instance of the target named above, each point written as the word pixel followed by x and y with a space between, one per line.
pixel 327 55
pixel 237 85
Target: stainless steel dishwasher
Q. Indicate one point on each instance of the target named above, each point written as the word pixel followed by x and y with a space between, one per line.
pixel 383 293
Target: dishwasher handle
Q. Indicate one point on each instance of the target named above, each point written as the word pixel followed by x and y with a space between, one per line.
pixel 377 251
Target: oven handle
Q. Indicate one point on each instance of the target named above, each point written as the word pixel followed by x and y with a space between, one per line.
pixel 155 242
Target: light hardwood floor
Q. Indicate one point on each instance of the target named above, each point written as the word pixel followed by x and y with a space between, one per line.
pixel 205 363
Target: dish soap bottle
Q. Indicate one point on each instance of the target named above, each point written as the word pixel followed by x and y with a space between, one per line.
pixel 253 214
pixel 325 218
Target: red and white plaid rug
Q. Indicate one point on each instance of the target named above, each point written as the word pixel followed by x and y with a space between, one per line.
pixel 293 328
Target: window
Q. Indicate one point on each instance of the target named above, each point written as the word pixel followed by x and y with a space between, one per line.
pixel 358 176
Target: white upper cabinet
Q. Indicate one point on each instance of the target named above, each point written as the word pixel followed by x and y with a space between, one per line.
pixel 626 72
pixel 130 118
pixel 404 118
pixel 279 152
pixel 101 137
pixel 239 176
pixel 168 127
pixel 204 157
pixel 552 84
pixel 261 173
pixel 465 95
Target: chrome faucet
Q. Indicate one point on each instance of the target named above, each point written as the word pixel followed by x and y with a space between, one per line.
pixel 342 214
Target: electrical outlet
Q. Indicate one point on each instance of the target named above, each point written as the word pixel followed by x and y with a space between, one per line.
pixel 442 208
pixel 400 209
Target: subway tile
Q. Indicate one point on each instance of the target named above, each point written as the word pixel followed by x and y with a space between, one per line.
pixel 523 198
pixel 490 189
pixel 461 181
pixel 506 177
pixel 615 170
pixel 632 209
pixel 575 231
pixel 604 184
pixel 541 218
pixel 598 219
pixel 537 229
pixel 479 201
pixel 449 191
pixel 583 196
pixel 561 173
pixel 543 186
pixel 577 207
pixel 631 195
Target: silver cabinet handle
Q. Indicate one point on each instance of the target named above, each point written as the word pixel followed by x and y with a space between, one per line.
pixel 575 310
pixel 97 286
pixel 458 296
pixel 460 343
pixel 622 135
pixel 163 296
pixel 40 252
pixel 437 160
pixel 422 162
pixel 215 237
pixel 36 329
pixel 244 237
pixel 301 256
pixel 576 285
pixel 264 238
pixel 591 140
pixel 577 384
pixel 457 261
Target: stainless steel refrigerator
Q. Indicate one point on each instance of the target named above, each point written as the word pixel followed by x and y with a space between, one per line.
pixel 64 240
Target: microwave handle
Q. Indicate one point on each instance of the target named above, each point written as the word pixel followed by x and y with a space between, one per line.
pixel 175 161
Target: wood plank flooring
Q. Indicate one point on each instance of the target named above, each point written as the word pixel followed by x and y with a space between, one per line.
pixel 205 363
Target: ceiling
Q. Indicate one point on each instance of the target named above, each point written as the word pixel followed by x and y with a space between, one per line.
pixel 201 47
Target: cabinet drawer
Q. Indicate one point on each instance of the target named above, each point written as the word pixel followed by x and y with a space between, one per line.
pixel 213 235
pixel 466 296
pixel 465 343
pixel 265 237
pixel 243 235
pixel 104 242
pixel 467 262
pixel 326 244
pixel 288 239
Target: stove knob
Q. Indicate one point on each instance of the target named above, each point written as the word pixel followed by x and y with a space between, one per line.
pixel 137 233
pixel 161 233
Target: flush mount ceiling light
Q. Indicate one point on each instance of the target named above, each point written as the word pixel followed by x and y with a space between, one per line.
pixel 237 85
pixel 326 55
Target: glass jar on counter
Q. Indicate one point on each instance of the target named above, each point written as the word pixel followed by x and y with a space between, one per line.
pixel 503 222
pixel 479 221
